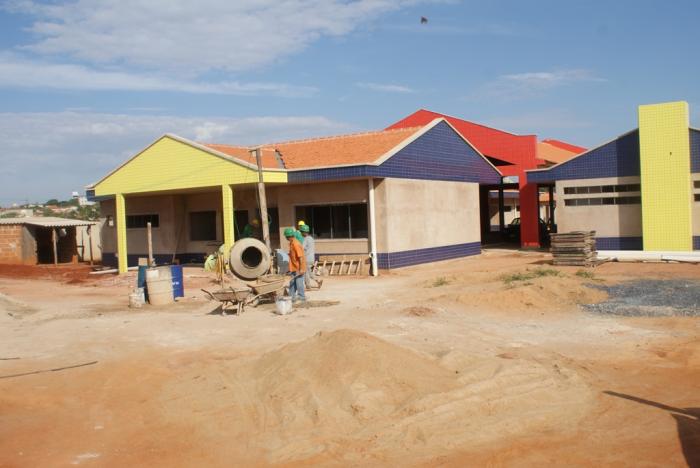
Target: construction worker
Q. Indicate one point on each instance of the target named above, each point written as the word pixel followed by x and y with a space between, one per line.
pixel 297 266
pixel 310 252
pixel 251 229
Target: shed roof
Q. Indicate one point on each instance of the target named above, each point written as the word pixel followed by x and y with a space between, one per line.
pixel 47 221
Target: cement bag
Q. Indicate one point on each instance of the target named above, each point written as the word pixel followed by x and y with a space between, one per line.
pixel 249 258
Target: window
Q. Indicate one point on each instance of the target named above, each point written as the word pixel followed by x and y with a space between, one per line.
pixel 140 221
pixel 240 219
pixel 507 209
pixel 203 225
pixel 602 201
pixel 696 184
pixel 603 189
pixel 348 221
pixel 697 197
pixel 569 190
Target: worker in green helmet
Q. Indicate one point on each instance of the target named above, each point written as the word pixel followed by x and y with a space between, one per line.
pixel 297 232
pixel 309 245
pixel 297 266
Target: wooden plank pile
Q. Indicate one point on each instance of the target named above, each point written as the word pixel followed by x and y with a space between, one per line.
pixel 575 248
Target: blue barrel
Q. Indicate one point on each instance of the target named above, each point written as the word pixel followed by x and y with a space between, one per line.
pixel 141 280
pixel 178 282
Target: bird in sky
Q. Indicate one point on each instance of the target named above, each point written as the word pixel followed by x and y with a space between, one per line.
pixel 423 20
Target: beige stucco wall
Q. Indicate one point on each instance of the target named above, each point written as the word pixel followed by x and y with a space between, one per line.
pixel 606 220
pixel 417 214
pixel 696 205
pixel 174 230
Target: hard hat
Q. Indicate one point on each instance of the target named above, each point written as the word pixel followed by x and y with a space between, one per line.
pixel 301 223
pixel 288 232
pixel 304 228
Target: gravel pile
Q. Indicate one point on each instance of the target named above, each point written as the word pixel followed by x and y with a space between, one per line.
pixel 650 298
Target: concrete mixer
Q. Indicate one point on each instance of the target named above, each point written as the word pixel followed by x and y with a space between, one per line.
pixel 249 259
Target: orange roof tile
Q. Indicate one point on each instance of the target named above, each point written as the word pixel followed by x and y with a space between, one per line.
pixel 552 153
pixel 358 148
pixel 269 159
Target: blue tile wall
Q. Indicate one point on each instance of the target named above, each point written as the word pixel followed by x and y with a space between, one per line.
pixel 694 150
pixel 439 154
pixel 619 158
pixel 619 243
pixel 390 260
pixel 696 242
pixel 110 259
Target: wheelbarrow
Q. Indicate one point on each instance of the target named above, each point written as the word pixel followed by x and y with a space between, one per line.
pixel 266 287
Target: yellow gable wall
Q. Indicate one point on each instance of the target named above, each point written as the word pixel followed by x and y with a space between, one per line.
pixel 170 164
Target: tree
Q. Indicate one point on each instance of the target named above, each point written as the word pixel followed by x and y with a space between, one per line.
pixel 52 201
pixel 11 214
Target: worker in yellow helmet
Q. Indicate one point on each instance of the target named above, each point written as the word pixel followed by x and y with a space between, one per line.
pixel 297 232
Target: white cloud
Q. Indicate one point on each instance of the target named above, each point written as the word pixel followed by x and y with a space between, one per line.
pixel 385 88
pixel 48 155
pixel 192 36
pixel 532 84
pixel 16 72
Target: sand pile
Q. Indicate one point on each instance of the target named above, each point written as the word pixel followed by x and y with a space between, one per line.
pixel 346 393
pixel 539 294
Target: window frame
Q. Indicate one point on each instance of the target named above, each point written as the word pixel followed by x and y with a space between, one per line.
pixel 216 226
pixel 145 226
pixel 330 205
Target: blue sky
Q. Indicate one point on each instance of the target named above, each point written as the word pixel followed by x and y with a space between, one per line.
pixel 85 84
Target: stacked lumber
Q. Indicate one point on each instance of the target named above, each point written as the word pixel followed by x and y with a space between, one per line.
pixel 575 248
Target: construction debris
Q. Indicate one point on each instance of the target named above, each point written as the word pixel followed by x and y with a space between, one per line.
pixel 575 248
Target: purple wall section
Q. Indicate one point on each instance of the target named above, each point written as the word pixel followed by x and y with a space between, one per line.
pixel 438 154
pixel 405 258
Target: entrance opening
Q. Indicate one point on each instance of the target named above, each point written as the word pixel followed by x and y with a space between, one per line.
pixel 66 245
pixel 251 257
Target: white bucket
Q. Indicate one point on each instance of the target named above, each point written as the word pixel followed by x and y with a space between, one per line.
pixel 160 291
pixel 136 298
pixel 283 306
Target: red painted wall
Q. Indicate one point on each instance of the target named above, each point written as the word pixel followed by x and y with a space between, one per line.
pixel 519 150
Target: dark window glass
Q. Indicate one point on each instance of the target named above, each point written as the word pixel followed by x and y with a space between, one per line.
pixel 634 188
pixel 620 188
pixel 358 221
pixel 240 218
pixel 596 189
pixel 507 209
pixel 696 184
pixel 595 201
pixel 581 189
pixel 569 190
pixel 608 201
pixel 697 197
pixel 582 202
pixel 335 221
pixel 570 202
pixel 203 225
pixel 608 188
pixel 139 221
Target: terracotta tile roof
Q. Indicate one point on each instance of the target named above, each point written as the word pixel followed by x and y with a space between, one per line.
pixel 552 153
pixel 357 148
pixel 269 159
pixel 566 146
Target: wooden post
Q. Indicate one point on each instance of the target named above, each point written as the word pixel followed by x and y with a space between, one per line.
pixel 55 248
pixel 263 199
pixel 89 231
pixel 149 237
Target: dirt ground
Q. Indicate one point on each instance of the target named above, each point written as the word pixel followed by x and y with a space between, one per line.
pixel 483 361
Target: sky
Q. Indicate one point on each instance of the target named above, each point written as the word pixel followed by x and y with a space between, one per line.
pixel 86 84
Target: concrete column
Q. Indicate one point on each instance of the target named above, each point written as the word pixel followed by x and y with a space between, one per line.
pixel 551 206
pixel 227 218
pixel 501 211
pixel 372 227
pixel 120 207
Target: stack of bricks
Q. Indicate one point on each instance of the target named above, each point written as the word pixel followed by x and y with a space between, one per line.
pixel 575 248
pixel 11 243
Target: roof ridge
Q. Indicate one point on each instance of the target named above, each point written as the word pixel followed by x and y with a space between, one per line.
pixel 272 145
pixel 450 116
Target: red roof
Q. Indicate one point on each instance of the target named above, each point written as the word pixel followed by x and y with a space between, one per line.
pixel 514 149
pixel 565 146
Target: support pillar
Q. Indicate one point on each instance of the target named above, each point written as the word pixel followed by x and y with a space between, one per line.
pixel 529 215
pixel 501 211
pixel 372 228
pixel 227 218
pixel 552 222
pixel 120 215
